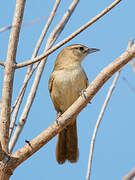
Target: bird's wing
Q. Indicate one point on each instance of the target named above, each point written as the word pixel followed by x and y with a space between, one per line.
pixel 87 81
pixel 51 80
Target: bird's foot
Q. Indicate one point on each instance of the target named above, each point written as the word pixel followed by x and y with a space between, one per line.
pixel 82 93
pixel 58 115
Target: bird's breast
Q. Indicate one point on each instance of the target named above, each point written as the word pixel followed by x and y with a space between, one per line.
pixel 67 86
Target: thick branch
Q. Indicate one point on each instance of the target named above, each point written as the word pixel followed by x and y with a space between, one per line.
pixel 41 57
pixel 9 75
pixel 34 145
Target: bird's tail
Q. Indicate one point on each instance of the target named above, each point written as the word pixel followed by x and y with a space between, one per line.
pixel 67 144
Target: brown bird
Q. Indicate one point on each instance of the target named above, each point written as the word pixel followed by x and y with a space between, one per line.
pixel 66 82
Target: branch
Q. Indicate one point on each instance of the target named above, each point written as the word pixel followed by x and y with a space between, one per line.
pixel 31 70
pixel 41 57
pixel 9 75
pixel 130 175
pixel 93 139
pixel 33 91
pixel 66 118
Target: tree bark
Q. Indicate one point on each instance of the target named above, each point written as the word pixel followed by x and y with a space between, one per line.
pixel 4 172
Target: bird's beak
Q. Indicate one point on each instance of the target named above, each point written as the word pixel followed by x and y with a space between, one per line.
pixel 91 50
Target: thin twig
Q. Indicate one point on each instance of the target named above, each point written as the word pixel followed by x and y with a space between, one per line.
pixel 12 123
pixel 100 118
pixel 33 91
pixel 31 70
pixel 5 28
pixel 41 57
pixel 65 119
pixel 24 87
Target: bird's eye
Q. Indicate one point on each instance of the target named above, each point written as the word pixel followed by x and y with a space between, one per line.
pixel 81 48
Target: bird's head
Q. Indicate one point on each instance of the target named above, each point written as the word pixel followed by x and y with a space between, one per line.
pixel 78 51
pixel 73 53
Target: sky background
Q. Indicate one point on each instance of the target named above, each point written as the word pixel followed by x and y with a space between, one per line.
pixel 115 148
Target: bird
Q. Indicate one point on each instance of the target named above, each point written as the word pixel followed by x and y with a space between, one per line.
pixel 67 81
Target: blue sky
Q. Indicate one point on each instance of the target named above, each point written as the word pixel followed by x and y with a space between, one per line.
pixel 114 148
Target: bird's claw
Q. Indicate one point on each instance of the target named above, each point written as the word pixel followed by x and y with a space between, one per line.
pixel 58 115
pixel 82 93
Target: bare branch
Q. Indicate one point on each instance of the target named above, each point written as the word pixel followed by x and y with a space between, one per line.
pixel 100 118
pixel 130 175
pixel 33 91
pixel 9 75
pixel 5 28
pixel 30 69
pixel 12 123
pixel 66 118
pixel 41 57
